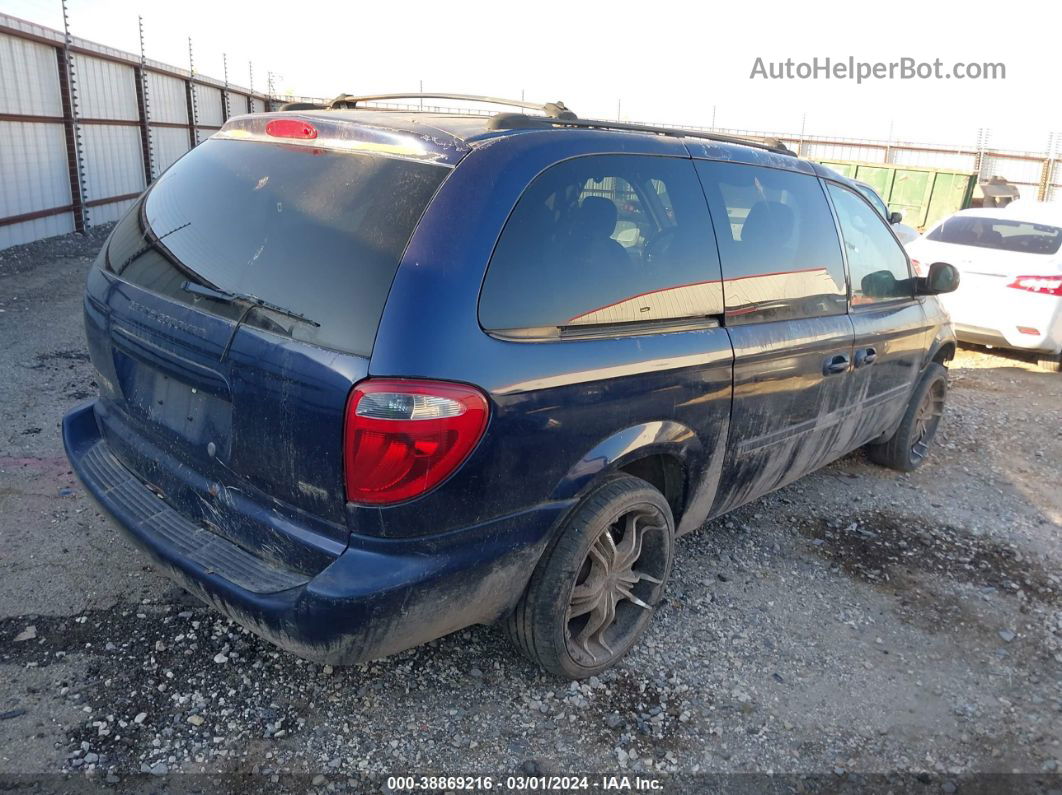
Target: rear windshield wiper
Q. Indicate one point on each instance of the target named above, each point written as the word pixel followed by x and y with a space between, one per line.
pixel 150 244
pixel 252 301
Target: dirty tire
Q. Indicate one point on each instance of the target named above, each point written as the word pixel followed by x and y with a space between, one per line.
pixel 1050 362
pixel 596 587
pixel 909 446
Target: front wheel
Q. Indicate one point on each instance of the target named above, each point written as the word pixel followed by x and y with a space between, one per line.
pixel 909 446
pixel 594 591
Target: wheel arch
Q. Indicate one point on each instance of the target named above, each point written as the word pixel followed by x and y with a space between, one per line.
pixel 944 353
pixel 660 453
pixel 942 347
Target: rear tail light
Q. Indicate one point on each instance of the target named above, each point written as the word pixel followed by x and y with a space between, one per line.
pixel 918 269
pixel 404 437
pixel 291 128
pixel 1048 285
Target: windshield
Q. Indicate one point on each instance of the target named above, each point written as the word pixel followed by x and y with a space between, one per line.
pixel 315 232
pixel 999 233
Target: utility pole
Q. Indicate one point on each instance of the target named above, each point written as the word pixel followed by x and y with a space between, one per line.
pixel 619 108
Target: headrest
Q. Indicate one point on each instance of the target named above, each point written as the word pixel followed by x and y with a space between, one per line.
pixel 597 216
pixel 768 221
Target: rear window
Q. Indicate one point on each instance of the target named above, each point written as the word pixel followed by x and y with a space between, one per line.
pixel 315 232
pixel 999 233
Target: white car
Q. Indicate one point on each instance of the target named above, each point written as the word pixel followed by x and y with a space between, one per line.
pixel 1010 290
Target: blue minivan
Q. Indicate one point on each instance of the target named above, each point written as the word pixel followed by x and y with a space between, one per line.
pixel 371 376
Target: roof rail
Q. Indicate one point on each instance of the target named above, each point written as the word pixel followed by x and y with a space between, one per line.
pixel 556 110
pixel 508 121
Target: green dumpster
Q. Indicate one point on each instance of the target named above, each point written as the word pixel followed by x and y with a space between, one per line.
pixel 923 195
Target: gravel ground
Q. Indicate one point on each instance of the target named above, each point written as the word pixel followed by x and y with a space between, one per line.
pixel 858 622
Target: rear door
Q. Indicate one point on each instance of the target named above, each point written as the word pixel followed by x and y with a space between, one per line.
pixel 786 313
pixel 208 393
pixel 889 323
pixel 608 268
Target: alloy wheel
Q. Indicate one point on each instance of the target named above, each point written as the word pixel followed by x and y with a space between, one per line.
pixel 617 585
pixel 930 411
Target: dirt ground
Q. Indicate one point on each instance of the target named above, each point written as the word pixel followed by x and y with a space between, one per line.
pixel 854 624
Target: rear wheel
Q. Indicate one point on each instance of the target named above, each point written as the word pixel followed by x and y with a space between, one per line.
pixel 909 446
pixel 1051 362
pixel 595 589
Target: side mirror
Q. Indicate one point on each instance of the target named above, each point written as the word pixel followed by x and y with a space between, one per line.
pixel 883 285
pixel 895 217
pixel 942 278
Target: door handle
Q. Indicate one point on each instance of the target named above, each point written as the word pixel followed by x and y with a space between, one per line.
pixel 838 363
pixel 866 356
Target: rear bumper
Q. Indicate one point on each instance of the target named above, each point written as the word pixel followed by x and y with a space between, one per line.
pixel 376 598
pixel 1006 318
pixel 979 335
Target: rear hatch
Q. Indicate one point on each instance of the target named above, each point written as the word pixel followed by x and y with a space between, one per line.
pixel 229 315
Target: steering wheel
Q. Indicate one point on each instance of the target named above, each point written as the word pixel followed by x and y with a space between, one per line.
pixel 660 244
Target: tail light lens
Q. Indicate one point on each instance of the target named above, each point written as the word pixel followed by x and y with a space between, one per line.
pixel 404 437
pixel 917 267
pixel 290 128
pixel 1048 285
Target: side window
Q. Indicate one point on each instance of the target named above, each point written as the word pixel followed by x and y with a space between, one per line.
pixel 777 241
pixel 604 240
pixel 876 262
pixel 875 200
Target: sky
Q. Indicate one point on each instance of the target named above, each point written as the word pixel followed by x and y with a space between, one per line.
pixel 677 63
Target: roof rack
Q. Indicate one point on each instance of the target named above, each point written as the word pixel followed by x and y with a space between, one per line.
pixel 555 114
pixel 507 121
pixel 555 110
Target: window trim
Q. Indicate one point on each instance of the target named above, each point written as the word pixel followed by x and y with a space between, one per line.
pixel 604 331
pixel 632 328
pixel 844 249
pixel 863 192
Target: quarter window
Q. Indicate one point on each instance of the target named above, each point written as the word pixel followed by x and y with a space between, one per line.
pixel 777 241
pixel 876 262
pixel 603 241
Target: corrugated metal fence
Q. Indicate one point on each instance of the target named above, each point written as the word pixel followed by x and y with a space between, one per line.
pixel 81 137
pixel 1038 175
